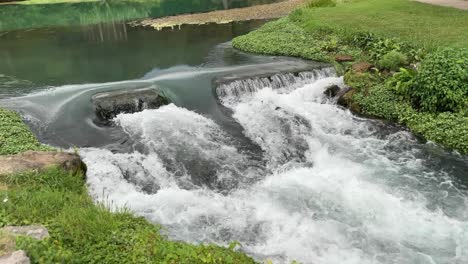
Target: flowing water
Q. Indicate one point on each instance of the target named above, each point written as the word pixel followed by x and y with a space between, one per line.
pixel 270 162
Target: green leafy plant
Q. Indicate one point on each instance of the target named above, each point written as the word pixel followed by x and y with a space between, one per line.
pixel 363 39
pixel 382 47
pixel 15 136
pixel 392 60
pixel 442 83
pixel 402 81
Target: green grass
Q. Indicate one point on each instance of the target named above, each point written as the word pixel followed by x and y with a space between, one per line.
pixel 387 33
pixel 82 232
pixel 15 136
pixel 411 21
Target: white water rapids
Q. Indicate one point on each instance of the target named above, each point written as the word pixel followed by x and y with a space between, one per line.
pixel 327 189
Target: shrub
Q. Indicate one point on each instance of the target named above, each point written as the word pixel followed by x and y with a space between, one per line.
pixel 402 81
pixel 363 39
pixel 392 60
pixel 442 83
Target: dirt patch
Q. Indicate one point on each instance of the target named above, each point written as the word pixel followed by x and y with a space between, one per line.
pixel 7 243
pixel 460 4
pixel 267 11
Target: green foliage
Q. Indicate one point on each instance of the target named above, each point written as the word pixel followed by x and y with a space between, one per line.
pixel 320 3
pixel 361 81
pixel 82 232
pixel 15 136
pixel 381 47
pixel 380 102
pixel 442 83
pixel 284 37
pixel 392 60
pixel 44 251
pixel 401 82
pixel 448 129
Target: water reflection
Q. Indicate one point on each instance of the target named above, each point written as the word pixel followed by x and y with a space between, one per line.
pixel 103 52
pixel 14 17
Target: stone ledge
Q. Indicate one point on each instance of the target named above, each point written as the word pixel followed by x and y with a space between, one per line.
pixel 40 161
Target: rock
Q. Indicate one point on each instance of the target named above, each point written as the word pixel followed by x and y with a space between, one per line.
pixel 343 58
pixel 342 92
pixel 16 257
pixel 345 99
pixel 362 67
pixel 34 231
pixel 39 161
pixel 332 90
pixel 109 104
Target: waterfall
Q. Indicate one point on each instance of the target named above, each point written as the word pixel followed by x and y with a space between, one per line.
pixel 232 90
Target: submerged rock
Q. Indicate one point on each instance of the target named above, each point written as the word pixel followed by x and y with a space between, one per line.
pixel 345 99
pixel 332 90
pixel 109 104
pixel 37 161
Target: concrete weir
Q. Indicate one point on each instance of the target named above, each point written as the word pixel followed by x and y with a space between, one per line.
pixel 276 75
pixel 109 104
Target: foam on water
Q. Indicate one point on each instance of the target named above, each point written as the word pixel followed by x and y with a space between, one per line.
pixel 331 188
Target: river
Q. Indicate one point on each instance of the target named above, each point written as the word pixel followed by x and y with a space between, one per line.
pixel 282 170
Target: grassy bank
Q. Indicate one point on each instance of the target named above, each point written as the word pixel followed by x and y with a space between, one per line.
pixel 80 230
pixel 15 136
pixel 419 75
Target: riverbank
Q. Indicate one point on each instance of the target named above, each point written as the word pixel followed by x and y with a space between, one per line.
pixel 409 59
pixel 40 14
pixel 80 230
pixel 259 12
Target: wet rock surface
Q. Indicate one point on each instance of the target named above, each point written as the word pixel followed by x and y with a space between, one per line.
pixel 109 104
pixel 332 91
pixel 38 161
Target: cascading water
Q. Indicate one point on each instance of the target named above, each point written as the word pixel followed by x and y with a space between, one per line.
pixel 235 89
pixel 326 187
